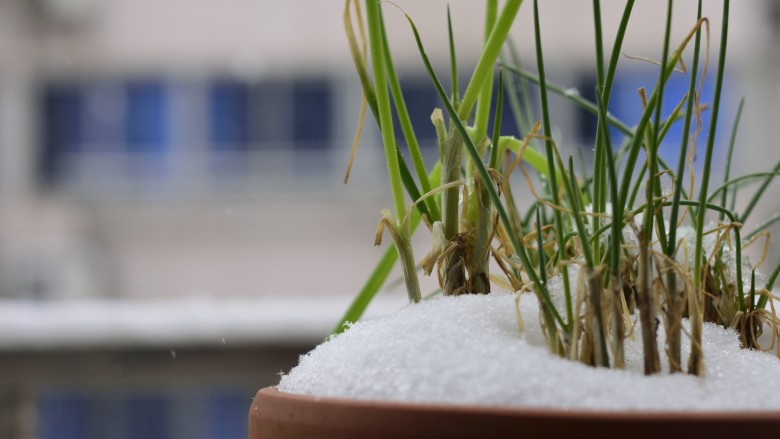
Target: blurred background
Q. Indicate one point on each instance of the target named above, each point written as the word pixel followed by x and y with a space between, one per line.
pixel 174 230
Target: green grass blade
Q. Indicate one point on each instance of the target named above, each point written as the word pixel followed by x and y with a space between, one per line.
pixel 384 109
pixel 406 123
pixel 617 208
pixel 705 180
pixel 616 50
pixel 757 196
pixel 763 226
pixel 734 183
pixel 653 188
pixel 399 229
pixel 599 176
pixel 752 289
pixel 453 60
pixel 667 124
pixel 406 177
pixel 524 115
pixel 636 143
pixel 482 114
pixel 770 283
pixel 571 95
pixel 604 93
pixel 487 59
pixel 546 125
pixel 495 146
pixel 357 56
pixel 380 273
pixel 553 182
pixel 637 185
pixel 519 116
pixel 540 246
pixel 522 254
pixel 533 157
pixel 732 141
pixel 411 188
pixel 576 209
pixel 662 84
pixel 599 43
pixel 678 176
pixel 370 289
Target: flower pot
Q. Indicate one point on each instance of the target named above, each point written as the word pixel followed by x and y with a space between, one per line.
pixel 276 415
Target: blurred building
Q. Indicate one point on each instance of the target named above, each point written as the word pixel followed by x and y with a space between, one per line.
pixel 178 149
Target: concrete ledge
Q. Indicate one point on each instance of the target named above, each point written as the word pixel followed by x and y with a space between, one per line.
pixel 168 323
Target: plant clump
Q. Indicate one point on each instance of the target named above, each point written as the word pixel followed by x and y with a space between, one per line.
pixel 645 247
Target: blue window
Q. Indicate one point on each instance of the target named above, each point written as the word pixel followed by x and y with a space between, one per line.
pixel 129 129
pixel 229 115
pixel 80 119
pixel 64 415
pixel 207 413
pixel 148 416
pixel 421 98
pixel 587 122
pixel 146 121
pixel 228 411
pixel 312 118
pixel 627 106
pixel 62 113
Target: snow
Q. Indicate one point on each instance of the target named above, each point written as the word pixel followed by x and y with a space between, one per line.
pixel 468 350
pixel 113 323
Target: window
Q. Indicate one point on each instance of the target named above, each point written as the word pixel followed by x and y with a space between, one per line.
pixel 62 126
pixel 627 106
pixel 312 114
pixel 229 115
pixel 127 414
pixel 112 136
pixel 420 98
pixel 587 122
pixel 146 116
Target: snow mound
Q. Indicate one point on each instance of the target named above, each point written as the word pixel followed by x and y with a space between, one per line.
pixel 468 350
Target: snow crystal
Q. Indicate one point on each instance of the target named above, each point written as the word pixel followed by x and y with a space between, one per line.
pixel 467 350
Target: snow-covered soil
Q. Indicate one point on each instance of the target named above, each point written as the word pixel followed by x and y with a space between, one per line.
pixel 468 350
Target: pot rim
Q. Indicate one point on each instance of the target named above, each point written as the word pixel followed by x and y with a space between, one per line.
pixel 637 415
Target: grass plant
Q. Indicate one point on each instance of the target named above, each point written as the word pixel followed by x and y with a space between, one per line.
pixel 641 249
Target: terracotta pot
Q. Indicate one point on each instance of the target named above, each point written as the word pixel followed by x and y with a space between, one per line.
pixel 276 414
